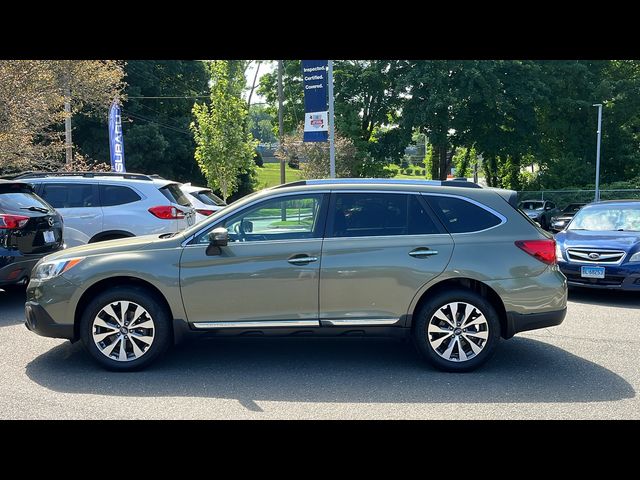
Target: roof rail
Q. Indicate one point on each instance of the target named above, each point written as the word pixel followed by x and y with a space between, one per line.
pixel 129 176
pixel 386 181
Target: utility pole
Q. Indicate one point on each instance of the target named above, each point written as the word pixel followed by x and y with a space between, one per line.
pixel 599 105
pixel 68 144
pixel 332 144
pixel 281 121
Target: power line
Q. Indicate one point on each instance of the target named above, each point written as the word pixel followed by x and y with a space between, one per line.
pixel 182 97
pixel 139 117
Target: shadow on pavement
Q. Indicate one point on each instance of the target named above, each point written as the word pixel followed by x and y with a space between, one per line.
pixel 11 306
pixel 301 370
pixel 609 298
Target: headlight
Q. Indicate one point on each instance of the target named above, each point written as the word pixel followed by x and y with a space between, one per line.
pixel 635 257
pixel 559 252
pixel 48 270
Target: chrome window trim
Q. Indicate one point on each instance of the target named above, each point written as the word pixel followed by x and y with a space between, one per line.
pixel 501 217
pixel 249 205
pixel 258 324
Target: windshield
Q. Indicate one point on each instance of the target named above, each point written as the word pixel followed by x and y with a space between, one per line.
pixel 573 207
pixel 531 205
pixel 607 218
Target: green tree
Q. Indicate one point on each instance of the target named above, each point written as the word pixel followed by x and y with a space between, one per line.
pixel 224 144
pixel 156 117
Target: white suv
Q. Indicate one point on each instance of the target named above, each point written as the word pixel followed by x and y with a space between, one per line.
pixel 203 200
pixel 97 206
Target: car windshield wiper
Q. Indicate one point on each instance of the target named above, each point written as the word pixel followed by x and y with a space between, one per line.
pixel 168 235
pixel 36 209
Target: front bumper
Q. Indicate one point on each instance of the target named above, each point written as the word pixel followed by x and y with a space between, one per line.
pixel 39 321
pixel 616 277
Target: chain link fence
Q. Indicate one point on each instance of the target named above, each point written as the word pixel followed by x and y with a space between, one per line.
pixel 565 197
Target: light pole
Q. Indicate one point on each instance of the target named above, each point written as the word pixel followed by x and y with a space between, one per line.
pixel 599 105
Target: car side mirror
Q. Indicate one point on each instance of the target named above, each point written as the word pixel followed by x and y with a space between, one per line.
pixel 218 237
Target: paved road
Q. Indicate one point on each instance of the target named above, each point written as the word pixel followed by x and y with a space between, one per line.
pixel 585 368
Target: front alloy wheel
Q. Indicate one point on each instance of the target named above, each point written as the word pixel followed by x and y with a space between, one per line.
pixel 123 331
pixel 126 328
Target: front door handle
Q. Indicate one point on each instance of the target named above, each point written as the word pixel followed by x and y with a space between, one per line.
pixel 301 259
pixel 422 252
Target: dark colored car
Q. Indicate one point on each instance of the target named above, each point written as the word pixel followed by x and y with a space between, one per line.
pixel 601 246
pixel 539 211
pixel 30 228
pixel 559 222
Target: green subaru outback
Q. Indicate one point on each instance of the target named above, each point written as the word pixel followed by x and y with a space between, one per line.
pixel 450 265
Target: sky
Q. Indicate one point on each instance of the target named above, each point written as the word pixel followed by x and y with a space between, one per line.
pixel 266 66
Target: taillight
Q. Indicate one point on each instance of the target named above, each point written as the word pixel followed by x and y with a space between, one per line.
pixel 13 222
pixel 206 213
pixel 167 212
pixel 543 250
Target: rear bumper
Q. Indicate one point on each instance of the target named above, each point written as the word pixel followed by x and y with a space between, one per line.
pixel 38 321
pixel 521 322
pixel 15 267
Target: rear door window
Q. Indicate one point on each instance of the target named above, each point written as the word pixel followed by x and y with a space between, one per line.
pixel 379 214
pixel 70 195
pixel 174 194
pixel 111 195
pixel 461 216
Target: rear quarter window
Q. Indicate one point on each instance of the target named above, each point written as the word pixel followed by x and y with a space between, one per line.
pixel 461 216
pixel 111 195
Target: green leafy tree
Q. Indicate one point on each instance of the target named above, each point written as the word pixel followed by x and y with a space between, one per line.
pixel 224 144
pixel 155 119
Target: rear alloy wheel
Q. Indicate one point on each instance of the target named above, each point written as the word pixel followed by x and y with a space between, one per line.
pixel 125 329
pixel 457 330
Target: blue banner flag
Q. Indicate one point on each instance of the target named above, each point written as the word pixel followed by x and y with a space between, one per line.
pixel 316 115
pixel 116 145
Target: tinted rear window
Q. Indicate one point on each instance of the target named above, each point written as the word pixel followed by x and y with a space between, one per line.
pixel 70 195
pixel 111 195
pixel 20 201
pixel 461 216
pixel 173 193
pixel 208 197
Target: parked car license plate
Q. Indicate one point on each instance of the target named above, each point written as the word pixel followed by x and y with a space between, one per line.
pixel 592 272
pixel 49 236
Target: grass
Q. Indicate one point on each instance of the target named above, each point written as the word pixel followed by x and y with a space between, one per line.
pixel 269 175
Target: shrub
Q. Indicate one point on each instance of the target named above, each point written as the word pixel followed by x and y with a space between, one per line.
pixel 294 163
pixel 257 158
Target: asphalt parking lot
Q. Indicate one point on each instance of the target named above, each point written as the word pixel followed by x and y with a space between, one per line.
pixel 587 368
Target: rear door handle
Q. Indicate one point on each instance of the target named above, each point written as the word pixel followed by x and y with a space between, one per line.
pixel 422 252
pixel 301 260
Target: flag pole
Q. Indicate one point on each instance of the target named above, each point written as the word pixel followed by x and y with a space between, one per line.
pixel 332 146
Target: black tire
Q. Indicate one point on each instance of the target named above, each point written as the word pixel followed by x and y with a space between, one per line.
pixel 109 237
pixel 162 333
pixel 421 335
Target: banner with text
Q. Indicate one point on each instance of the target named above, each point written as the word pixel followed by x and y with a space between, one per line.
pixel 316 116
pixel 116 145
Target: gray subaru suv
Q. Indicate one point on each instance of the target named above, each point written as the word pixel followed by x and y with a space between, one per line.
pixel 449 265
